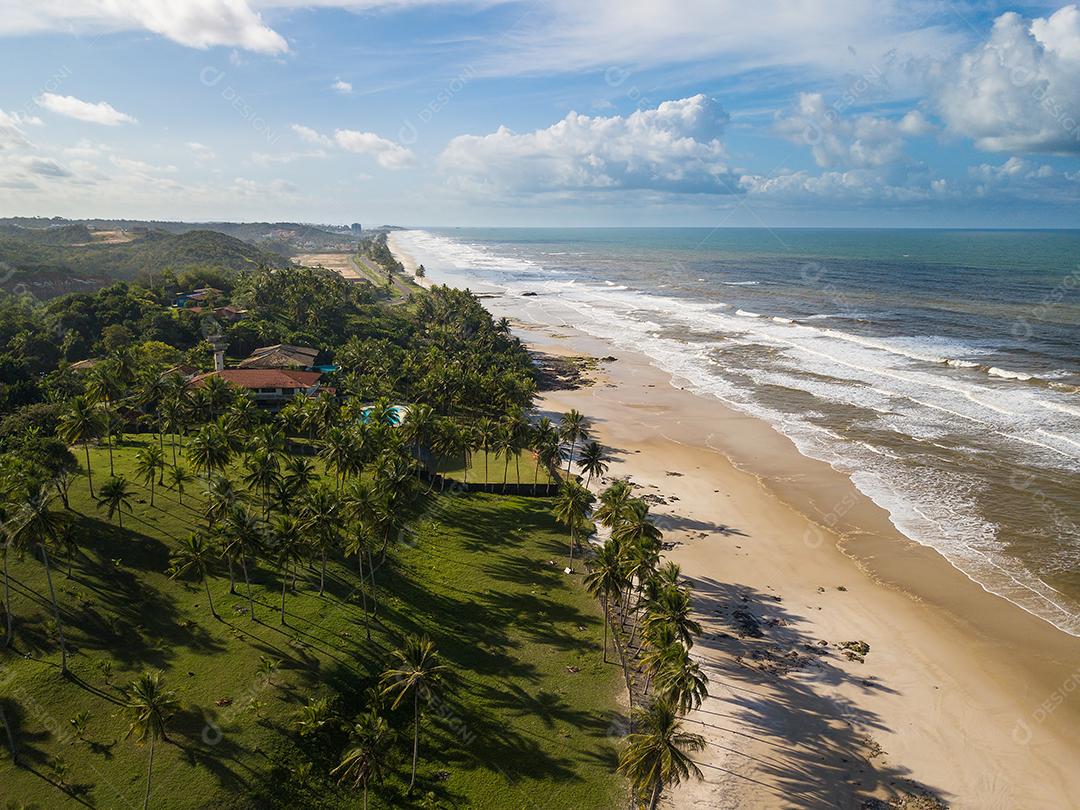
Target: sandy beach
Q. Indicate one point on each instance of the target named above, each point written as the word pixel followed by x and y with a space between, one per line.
pixel 962 696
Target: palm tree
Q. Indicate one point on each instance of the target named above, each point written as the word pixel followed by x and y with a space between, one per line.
pixel 680 680
pixel 210 448
pixel 149 462
pixel 179 477
pixel 261 472
pixel 615 502
pixel 219 393
pixel 322 511
pixel 416 669
pixel 592 461
pixel 371 753
pixel 194 555
pixel 81 423
pixel 573 427
pixel 658 753
pixel 672 607
pixel 243 538
pixel 605 581
pixel 313 717
pixel 571 508
pixel 37 524
pixel 288 548
pixel 104 386
pixel 417 427
pixel 115 496
pixel 150 705
pixel 487 436
pixel 299 473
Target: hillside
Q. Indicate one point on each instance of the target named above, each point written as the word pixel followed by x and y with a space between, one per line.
pixel 51 269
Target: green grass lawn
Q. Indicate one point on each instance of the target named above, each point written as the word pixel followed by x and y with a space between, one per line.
pixel 496 466
pixel 517 728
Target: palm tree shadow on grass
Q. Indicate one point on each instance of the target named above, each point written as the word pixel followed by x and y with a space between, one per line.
pixel 780 687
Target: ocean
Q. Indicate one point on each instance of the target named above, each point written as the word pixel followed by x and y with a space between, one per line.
pixel 940 369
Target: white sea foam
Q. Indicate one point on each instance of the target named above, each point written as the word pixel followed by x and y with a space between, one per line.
pixel 746 314
pixel 1008 375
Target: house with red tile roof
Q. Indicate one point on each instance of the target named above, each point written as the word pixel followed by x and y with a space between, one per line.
pixel 269 387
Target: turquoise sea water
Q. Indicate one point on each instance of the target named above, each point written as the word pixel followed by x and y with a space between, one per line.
pixel 940 368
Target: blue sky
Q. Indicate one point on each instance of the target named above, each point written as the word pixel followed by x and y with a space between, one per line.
pixel 493 112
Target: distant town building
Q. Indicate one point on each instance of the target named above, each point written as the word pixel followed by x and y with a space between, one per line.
pixel 356 229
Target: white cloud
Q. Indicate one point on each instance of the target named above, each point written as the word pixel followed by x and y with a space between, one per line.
pixel 201 152
pixel 140 168
pixel 12 134
pixel 860 141
pixel 311 136
pixel 194 23
pixel 672 148
pixel 341 86
pixel 272 158
pixel 387 153
pixel 100 112
pixel 1018 92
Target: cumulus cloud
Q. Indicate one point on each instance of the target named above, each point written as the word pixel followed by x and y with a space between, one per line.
pixel 194 23
pixel 1018 91
pixel 100 112
pixel 674 147
pixel 860 141
pixel 387 153
pixel 341 86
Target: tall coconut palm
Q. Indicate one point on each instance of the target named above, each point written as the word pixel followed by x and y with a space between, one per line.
pixel 573 427
pixel 418 426
pixel 218 393
pixel 605 581
pixel 115 496
pixel 172 418
pixel 415 670
pixel 149 705
pixel 79 424
pixel 36 524
pixel 615 503
pixel 571 508
pixel 657 754
pixel 178 478
pixel 194 555
pixel 487 436
pixel 261 472
pixel 287 539
pixel 680 680
pixel 243 539
pixel 321 510
pixel 104 386
pixel 369 757
pixel 591 461
pixel 298 473
pixel 336 450
pixel 149 463
pixel 672 607
pixel 210 449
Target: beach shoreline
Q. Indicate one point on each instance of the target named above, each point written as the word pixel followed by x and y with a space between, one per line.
pixel 962 691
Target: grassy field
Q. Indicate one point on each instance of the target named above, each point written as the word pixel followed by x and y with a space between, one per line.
pixel 524 463
pixel 524 722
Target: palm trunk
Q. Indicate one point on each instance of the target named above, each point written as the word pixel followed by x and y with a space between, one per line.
pixel 173 443
pixel 151 491
pixel 573 538
pixel 108 417
pixel 89 472
pixel 7 600
pixel 363 595
pixel 284 582
pixel 209 598
pixel 416 737
pixel 371 575
pixel 570 457
pixel 232 580
pixel 251 602
pixel 607 621
pixel 536 474
pixel 322 574
pixel 655 795
pixel 149 770
pixel 56 609
pixel 487 479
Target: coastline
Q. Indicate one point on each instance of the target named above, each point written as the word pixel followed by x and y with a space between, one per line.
pixel 962 691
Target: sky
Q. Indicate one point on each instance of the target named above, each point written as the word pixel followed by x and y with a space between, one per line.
pixel 943 113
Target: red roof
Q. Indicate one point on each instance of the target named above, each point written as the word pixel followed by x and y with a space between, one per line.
pixel 263 377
